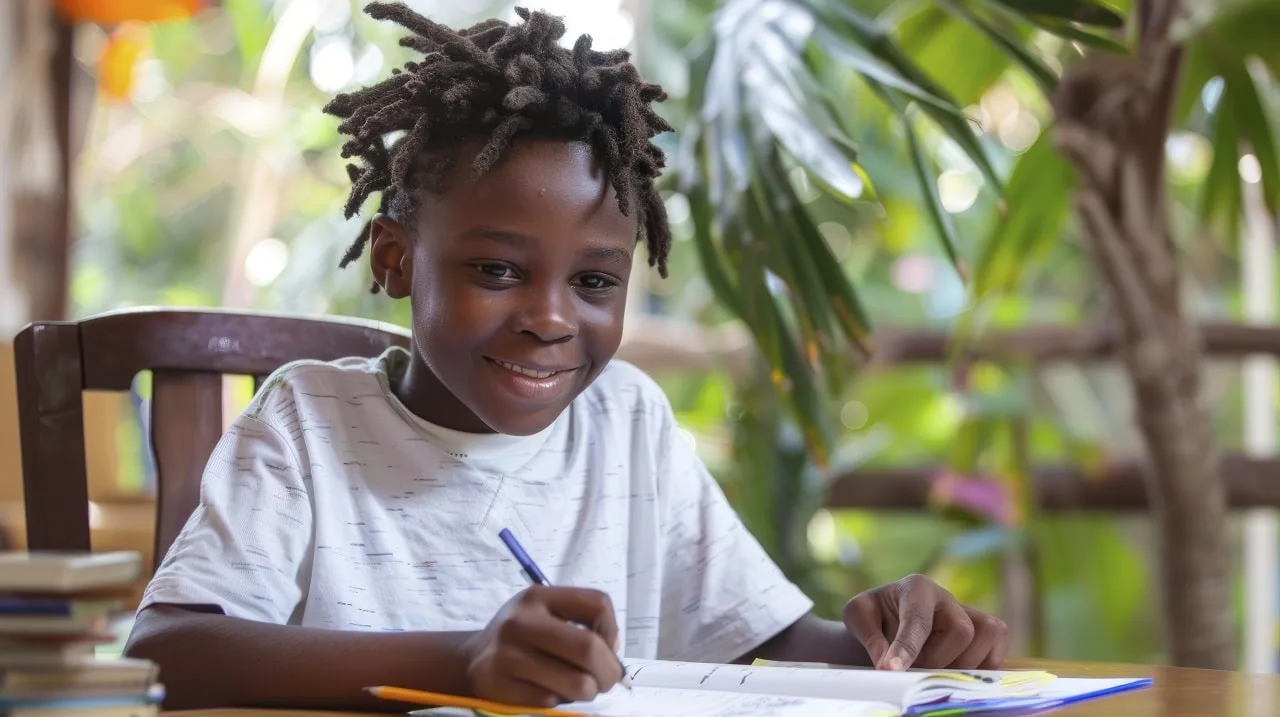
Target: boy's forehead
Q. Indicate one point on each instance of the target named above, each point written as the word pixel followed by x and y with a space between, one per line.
pixel 550 182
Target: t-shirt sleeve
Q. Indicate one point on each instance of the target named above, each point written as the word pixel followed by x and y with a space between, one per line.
pixel 722 595
pixel 246 549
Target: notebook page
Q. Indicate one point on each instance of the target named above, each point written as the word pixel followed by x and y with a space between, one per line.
pixel 662 702
pixel 852 684
pixel 934 686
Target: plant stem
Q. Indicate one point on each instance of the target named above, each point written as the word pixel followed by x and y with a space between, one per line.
pixel 1113 119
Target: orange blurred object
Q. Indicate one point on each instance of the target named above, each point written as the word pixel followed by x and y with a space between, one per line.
pixel 119 57
pixel 110 12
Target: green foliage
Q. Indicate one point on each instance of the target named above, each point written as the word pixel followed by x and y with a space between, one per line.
pixel 1031 221
pixel 769 84
pixel 934 38
pixel 1221 199
pixel 252 26
pixel 1093 579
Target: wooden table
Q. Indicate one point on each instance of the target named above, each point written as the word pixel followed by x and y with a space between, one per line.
pixel 1177 692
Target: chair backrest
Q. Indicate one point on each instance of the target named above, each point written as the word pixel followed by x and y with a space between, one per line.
pixel 188 353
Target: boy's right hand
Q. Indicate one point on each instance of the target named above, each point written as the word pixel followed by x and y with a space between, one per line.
pixel 532 653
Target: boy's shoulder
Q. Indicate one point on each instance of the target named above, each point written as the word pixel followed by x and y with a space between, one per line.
pixel 317 378
pixel 619 373
pixel 623 383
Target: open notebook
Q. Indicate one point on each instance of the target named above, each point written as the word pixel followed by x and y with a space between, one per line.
pixel 707 690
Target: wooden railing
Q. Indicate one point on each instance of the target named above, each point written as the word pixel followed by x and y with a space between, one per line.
pixel 657 345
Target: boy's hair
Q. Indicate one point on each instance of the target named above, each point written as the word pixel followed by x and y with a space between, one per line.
pixel 495 81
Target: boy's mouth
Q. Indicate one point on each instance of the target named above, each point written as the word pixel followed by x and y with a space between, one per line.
pixel 526 371
pixel 540 384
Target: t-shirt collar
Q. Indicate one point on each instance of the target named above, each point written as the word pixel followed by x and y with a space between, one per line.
pixel 496 451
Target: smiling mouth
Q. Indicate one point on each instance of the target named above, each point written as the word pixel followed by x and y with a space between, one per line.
pixel 530 372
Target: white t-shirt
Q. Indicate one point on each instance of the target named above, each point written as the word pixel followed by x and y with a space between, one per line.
pixel 329 504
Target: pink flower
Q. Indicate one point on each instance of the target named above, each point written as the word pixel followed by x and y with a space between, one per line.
pixel 983 497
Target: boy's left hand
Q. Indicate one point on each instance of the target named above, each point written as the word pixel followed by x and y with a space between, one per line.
pixel 927 626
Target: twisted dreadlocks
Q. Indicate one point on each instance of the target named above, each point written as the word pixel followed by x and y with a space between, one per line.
pixel 496 81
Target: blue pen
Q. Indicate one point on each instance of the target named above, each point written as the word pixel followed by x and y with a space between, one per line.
pixel 535 575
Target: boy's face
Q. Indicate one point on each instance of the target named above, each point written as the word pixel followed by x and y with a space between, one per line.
pixel 518 283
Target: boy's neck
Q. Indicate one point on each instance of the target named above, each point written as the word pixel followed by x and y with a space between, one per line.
pixel 429 399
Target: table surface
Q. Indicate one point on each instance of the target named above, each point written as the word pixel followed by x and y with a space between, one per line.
pixel 1176 692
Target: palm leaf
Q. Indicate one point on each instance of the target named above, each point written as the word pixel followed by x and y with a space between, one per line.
pixel 1070 32
pixel 713 264
pixel 1222 197
pixel 1241 29
pixel 1254 124
pixel 1235 32
pixel 1038 192
pixel 925 173
pixel 1024 58
pixel 835 20
pixel 844 50
pixel 804 128
pixel 1198 67
pixel 812 317
pixel 790 374
pixel 839 292
pixel 925 176
pixel 935 39
pixel 849 311
pixel 1084 12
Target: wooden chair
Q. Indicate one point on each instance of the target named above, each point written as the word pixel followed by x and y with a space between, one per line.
pixel 188 352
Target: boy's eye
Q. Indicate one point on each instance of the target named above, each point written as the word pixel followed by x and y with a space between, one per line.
pixel 595 282
pixel 495 271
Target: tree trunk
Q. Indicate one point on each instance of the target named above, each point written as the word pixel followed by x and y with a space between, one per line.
pixel 36 146
pixel 1112 121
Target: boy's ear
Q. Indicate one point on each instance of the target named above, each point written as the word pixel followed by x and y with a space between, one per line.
pixel 391 256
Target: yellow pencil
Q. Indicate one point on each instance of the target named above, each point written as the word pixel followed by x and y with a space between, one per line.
pixel 435 699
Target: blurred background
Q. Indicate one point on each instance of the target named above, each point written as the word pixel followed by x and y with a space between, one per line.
pixel 910 141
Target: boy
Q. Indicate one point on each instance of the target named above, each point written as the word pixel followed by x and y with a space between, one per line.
pixel 347 533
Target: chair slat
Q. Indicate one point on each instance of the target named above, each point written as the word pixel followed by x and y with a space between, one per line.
pixel 123 343
pixel 186 424
pixel 47 362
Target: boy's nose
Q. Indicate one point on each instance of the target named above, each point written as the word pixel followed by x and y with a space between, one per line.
pixel 549 316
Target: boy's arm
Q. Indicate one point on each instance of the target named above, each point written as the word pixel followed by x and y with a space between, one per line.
pixel 930 629
pixel 210 660
pixel 812 639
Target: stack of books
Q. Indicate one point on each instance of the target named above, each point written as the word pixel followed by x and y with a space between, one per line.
pixel 55 610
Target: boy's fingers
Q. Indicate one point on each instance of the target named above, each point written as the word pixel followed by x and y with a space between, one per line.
pixel 953 633
pixel 976 653
pixel 555 628
pixel 514 691
pixel 591 608
pixel 536 675
pixel 995 658
pixel 915 624
pixel 864 620
pixel 581 650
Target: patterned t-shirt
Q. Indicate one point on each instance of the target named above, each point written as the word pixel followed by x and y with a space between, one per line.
pixel 329 504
